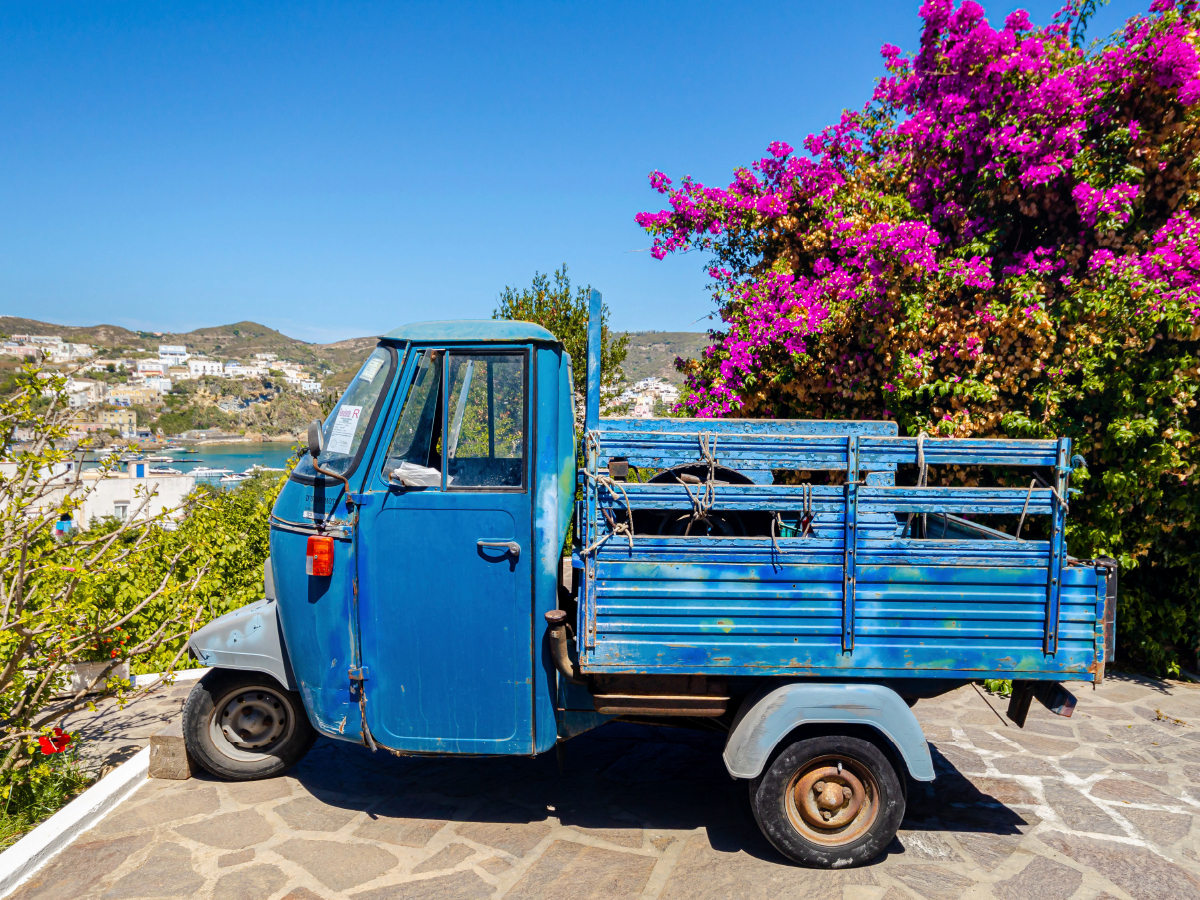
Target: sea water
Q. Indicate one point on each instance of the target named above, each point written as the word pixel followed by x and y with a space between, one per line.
pixel 236 457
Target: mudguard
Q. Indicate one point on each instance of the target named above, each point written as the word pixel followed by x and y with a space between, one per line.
pixel 247 638
pixel 767 716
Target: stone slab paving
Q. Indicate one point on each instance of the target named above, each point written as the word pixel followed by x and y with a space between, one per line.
pixel 111 734
pixel 1103 806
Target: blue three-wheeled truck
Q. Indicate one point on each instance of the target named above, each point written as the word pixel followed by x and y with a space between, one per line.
pixel 768 577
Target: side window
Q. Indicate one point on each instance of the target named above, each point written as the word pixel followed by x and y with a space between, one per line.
pixel 485 437
pixel 414 457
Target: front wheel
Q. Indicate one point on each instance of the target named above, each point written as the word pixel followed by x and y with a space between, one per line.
pixel 242 725
pixel 828 802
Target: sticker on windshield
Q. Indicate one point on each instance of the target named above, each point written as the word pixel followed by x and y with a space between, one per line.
pixel 371 369
pixel 341 438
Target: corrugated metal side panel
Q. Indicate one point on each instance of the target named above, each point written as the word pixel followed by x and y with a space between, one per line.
pixel 747 607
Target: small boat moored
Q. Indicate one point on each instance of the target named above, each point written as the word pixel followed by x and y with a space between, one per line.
pixel 210 472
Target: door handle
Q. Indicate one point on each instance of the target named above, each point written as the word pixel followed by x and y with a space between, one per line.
pixel 511 546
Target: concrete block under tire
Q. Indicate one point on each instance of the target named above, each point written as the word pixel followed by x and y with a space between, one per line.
pixel 169 758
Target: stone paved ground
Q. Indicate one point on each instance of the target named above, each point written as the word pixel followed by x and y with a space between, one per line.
pixel 111 735
pixel 1102 805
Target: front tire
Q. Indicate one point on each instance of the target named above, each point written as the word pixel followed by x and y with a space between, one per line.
pixel 242 725
pixel 829 802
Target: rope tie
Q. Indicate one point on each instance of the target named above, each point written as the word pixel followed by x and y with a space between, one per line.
pixel 1029 494
pixel 922 481
pixel 617 528
pixel 614 487
pixel 702 501
pixel 1025 509
pixel 806 516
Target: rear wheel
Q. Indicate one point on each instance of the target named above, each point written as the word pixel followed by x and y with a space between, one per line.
pixel 244 725
pixel 829 801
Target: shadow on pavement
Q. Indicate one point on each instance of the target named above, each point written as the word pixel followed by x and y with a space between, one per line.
pixel 619 776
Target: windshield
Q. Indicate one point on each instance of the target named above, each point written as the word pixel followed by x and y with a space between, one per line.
pixel 346 427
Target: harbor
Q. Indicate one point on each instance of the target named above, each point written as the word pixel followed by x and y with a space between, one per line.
pixel 225 465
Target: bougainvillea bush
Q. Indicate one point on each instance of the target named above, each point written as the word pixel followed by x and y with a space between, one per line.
pixel 1004 241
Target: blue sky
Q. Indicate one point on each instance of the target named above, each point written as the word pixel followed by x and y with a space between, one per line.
pixel 338 169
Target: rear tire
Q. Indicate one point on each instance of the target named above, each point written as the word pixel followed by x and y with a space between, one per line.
pixel 242 725
pixel 829 802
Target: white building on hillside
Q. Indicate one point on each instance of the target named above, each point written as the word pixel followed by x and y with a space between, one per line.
pixel 199 366
pixel 172 354
pixel 82 392
pixel 54 348
pixel 235 369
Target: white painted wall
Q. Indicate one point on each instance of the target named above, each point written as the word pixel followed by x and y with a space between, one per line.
pixel 121 494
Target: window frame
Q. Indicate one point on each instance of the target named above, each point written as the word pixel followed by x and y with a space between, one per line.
pixel 408 375
pixel 524 352
pixel 526 443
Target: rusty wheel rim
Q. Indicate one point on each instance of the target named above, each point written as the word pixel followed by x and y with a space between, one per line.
pixel 832 800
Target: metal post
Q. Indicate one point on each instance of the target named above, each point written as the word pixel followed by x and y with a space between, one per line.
pixel 1058 549
pixel 491 413
pixel 592 461
pixel 850 538
pixel 592 418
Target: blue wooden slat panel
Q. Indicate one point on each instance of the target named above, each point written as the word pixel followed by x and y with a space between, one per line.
pixel 740 451
pixel 960 451
pixel 826 498
pixel 703 554
pixel 1080 575
pixel 940 563
pixel 700 552
pixel 949 574
pixel 827 427
pixel 655 443
pixel 957 500
pixel 756 655
pixel 741 618
pixel 825 525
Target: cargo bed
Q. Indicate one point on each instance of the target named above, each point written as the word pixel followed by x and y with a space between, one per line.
pixel 863 596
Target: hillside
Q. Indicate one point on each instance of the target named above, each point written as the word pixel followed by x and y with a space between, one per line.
pixel 654 352
pixel 239 340
pixel 650 352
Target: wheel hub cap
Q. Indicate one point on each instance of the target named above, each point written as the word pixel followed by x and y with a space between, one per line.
pixel 829 797
pixel 252 720
pixel 833 801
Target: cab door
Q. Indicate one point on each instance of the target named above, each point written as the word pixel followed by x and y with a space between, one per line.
pixel 445 558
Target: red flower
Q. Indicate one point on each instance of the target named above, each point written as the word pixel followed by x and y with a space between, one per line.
pixel 56 743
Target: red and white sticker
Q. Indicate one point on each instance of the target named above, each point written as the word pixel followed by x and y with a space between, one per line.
pixel 341 438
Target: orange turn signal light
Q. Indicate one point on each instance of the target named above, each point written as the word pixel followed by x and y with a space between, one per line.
pixel 319 559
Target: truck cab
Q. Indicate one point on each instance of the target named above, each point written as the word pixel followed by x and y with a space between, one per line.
pixel 457 441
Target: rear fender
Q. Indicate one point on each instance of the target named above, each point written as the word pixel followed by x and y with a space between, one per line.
pixel 247 638
pixel 773 712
